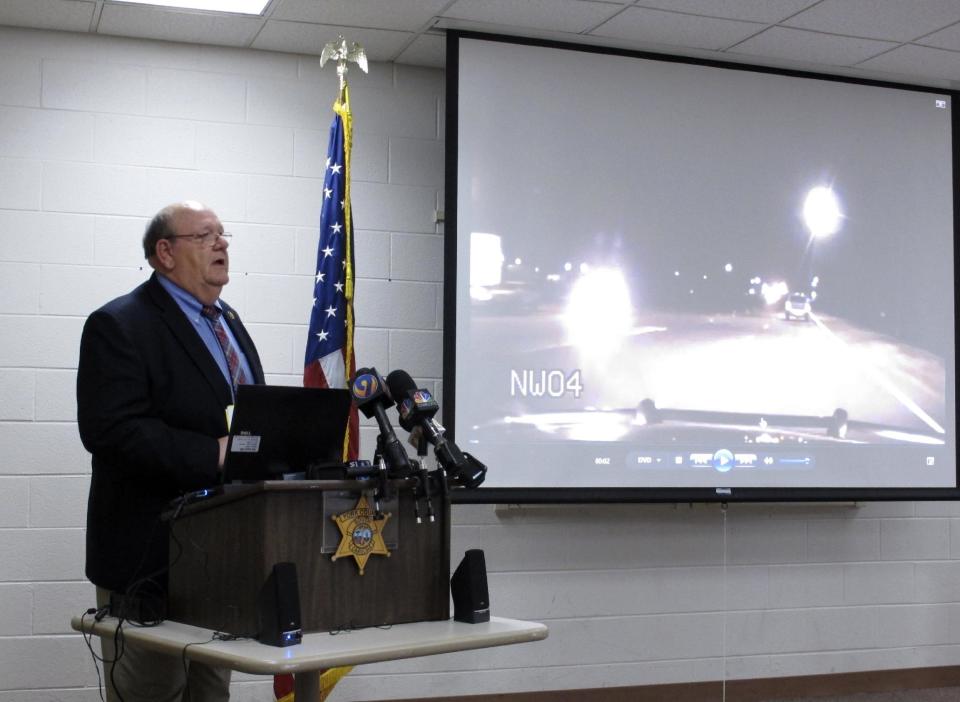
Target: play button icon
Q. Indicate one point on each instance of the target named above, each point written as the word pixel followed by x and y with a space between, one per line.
pixel 723 460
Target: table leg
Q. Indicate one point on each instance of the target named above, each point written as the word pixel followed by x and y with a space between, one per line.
pixel 306 686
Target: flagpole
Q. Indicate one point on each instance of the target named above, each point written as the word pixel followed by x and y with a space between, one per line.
pixel 329 356
pixel 342 107
pixel 344 53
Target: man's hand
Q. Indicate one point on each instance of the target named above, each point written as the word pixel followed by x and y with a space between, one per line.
pixel 223 451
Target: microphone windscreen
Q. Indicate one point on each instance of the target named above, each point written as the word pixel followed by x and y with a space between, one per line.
pixel 400 383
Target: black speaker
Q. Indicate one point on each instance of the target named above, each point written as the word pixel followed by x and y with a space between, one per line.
pixel 279 607
pixel 471 601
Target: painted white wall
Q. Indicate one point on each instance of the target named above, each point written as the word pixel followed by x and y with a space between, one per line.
pixel 97 133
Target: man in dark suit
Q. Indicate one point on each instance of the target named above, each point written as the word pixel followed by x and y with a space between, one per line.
pixel 158 370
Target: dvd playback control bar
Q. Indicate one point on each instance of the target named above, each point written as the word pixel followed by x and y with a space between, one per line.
pixel 720 460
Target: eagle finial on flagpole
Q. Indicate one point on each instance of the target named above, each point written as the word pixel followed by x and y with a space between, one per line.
pixel 343 53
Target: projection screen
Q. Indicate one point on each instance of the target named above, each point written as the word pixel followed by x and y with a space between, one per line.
pixel 669 279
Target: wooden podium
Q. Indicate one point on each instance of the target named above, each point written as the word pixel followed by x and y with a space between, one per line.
pixel 223 548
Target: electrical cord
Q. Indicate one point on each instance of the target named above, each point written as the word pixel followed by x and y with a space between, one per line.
pixel 119 646
pixel 98 615
pixel 349 628
pixel 186 664
pixel 131 593
pixel 215 636
pixel 134 591
pixel 88 640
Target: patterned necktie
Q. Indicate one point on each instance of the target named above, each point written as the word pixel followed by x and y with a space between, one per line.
pixel 238 377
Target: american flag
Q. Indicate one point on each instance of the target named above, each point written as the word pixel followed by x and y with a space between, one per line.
pixel 329 360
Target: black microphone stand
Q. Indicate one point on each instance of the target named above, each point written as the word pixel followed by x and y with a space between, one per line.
pixel 424 486
pixel 382 491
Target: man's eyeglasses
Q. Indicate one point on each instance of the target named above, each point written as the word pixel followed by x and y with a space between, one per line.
pixel 207 238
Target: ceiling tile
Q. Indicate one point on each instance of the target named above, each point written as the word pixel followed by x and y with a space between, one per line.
pixel 66 15
pixel 811 47
pixel 948 38
pixel 766 11
pixel 555 15
pixel 173 25
pixel 918 60
pixel 879 19
pixel 642 25
pixel 303 38
pixel 388 29
pixel 409 15
pixel 426 50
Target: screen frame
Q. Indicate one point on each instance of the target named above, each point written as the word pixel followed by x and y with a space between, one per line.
pixel 545 495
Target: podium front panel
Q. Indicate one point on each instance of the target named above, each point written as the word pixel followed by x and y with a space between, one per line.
pixel 222 551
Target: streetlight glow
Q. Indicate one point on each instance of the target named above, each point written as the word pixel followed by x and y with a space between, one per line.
pixel 821 212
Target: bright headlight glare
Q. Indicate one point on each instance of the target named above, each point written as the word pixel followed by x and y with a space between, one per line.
pixel 599 314
pixel 774 292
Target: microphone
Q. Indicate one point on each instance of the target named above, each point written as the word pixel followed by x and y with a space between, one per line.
pixel 416 407
pixel 372 397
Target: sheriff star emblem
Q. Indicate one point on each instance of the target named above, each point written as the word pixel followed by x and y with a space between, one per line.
pixel 362 535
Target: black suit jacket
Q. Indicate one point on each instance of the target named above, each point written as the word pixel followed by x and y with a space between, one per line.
pixel 150 406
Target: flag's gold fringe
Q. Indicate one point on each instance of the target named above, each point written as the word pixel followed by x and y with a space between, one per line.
pixel 328 680
pixel 342 108
pixel 330 677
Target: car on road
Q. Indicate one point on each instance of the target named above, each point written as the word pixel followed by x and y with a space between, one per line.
pixel 797 306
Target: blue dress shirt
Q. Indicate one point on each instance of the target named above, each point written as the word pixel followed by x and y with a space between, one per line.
pixel 191 307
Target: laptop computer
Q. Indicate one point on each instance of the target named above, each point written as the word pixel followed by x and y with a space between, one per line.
pixel 278 429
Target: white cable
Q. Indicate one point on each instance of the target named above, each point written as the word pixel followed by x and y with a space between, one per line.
pixel 723 649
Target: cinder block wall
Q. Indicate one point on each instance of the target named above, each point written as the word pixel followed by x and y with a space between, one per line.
pixel 98 133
